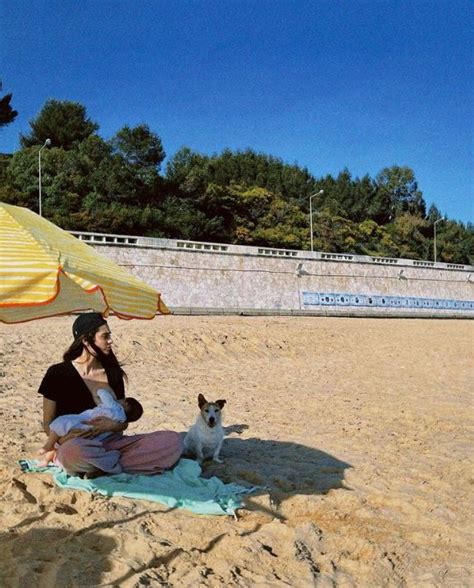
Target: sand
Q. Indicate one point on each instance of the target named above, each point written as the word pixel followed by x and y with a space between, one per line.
pixel 358 430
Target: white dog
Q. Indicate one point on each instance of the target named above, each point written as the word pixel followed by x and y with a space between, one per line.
pixel 204 439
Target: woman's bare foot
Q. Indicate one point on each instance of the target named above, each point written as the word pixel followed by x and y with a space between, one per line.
pixel 93 474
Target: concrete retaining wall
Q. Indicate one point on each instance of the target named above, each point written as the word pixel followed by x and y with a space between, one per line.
pixel 211 277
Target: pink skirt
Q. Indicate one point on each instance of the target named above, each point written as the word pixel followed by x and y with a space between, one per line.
pixel 148 453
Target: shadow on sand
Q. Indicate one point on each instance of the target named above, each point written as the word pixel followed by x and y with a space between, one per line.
pixel 54 557
pixel 60 557
pixel 280 468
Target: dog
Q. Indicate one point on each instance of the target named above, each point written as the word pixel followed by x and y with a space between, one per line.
pixel 204 439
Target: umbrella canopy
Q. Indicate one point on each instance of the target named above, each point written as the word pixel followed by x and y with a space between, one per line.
pixel 45 271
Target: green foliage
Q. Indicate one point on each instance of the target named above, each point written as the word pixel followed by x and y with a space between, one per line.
pixel 7 114
pixel 21 179
pixel 375 239
pixel 264 218
pixel 4 162
pixel 142 150
pixel 192 171
pixel 64 122
pixel 398 192
pixel 433 214
pixel 455 242
pixel 239 197
pixel 407 234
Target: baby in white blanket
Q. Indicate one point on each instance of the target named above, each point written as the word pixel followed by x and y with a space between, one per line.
pixel 125 409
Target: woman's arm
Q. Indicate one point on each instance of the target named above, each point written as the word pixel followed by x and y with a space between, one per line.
pixel 98 425
pixel 49 412
pixel 103 424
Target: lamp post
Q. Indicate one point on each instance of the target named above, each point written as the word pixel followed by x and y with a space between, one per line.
pixel 311 214
pixel 47 143
pixel 434 241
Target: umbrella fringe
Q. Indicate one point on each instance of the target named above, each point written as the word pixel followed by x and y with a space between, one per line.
pixel 161 308
pixel 48 272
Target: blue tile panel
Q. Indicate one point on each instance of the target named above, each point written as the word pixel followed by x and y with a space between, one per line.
pixel 311 299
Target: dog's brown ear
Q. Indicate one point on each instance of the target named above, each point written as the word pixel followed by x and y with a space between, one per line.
pixel 220 403
pixel 201 401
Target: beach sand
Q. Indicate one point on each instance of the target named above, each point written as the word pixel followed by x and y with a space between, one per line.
pixel 359 433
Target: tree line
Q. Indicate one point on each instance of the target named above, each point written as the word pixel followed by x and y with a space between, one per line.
pixel 241 197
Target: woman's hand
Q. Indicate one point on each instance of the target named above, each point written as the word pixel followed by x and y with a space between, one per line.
pixel 105 425
pixel 97 426
pixel 73 433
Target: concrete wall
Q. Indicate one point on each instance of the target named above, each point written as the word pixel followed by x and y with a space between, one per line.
pixel 210 277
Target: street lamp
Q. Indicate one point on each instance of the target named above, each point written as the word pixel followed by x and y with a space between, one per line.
pixel 311 214
pixel 47 143
pixel 434 242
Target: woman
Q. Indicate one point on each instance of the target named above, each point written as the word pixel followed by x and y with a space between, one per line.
pixel 104 449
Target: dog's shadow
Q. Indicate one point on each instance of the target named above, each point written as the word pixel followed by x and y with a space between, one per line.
pixel 281 468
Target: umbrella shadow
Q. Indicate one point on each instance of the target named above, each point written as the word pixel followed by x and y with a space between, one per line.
pixel 55 556
pixel 58 556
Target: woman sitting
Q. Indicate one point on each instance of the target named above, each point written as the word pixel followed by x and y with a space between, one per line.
pixel 67 388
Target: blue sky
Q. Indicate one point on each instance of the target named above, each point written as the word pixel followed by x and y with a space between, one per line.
pixel 327 84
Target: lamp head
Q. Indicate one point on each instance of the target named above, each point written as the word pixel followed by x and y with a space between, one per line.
pixel 300 271
pixel 47 143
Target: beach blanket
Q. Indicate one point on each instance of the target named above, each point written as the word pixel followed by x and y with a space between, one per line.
pixel 181 487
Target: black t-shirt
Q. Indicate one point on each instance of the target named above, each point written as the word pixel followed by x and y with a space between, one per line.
pixel 63 384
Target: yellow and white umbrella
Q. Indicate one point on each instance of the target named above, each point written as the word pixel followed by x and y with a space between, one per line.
pixel 45 271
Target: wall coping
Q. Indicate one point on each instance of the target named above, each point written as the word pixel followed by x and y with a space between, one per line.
pixel 223 248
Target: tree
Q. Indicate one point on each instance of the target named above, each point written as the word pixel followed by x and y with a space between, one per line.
pixel 4 161
pixel 245 168
pixel 433 214
pixel 338 194
pixel 284 225
pixel 21 179
pixel 181 219
pixel 237 197
pixel 455 242
pixel 187 171
pixel 376 240
pixel 7 114
pixel 141 149
pixel 408 233
pixel 363 194
pixel 398 192
pixel 264 218
pixel 75 175
pixel 64 122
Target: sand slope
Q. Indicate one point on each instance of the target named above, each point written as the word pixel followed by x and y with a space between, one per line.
pixel 360 430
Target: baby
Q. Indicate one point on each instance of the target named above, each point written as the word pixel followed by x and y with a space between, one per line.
pixel 125 409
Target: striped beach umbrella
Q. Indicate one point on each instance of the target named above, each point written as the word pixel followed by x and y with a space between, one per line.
pixel 45 271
